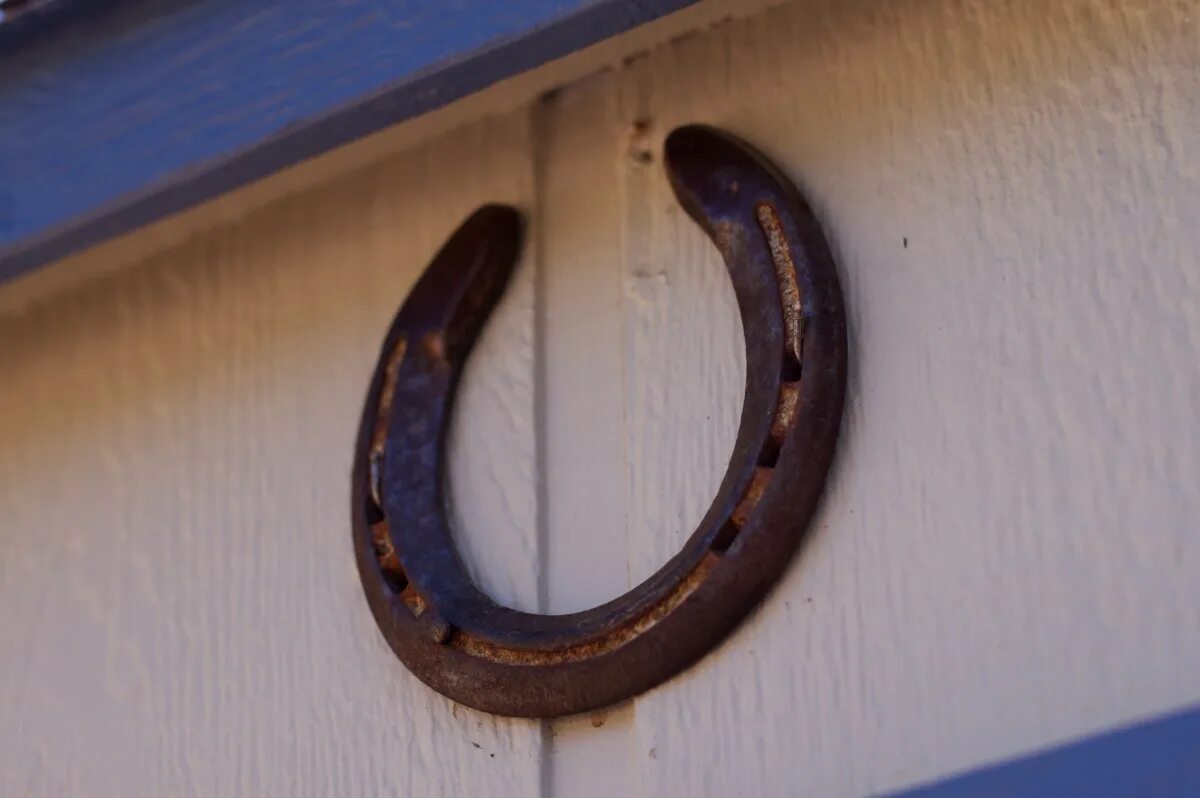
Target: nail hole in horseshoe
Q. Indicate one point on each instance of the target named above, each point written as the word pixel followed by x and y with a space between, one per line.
pixel 463 644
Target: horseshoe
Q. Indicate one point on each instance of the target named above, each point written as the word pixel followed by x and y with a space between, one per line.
pixel 499 660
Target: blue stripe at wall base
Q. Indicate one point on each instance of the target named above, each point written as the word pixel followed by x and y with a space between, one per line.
pixel 1156 759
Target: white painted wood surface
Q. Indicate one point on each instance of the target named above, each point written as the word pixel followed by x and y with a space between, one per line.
pixel 1009 550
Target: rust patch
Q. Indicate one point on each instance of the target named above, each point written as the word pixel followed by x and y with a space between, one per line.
pixel 385 554
pixel 752 496
pixel 785 274
pixel 412 599
pixel 785 412
pixel 381 540
pixel 434 344
pixel 640 150
pixel 387 393
pixel 602 644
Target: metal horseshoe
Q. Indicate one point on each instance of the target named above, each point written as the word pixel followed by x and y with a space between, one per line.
pixel 466 646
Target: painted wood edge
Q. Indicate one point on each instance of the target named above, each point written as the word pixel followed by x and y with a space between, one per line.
pixel 1159 758
pixel 405 96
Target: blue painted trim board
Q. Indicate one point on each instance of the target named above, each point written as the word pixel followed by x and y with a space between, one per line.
pixel 1156 759
pixel 115 113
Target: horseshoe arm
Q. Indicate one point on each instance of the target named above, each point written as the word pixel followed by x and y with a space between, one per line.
pixel 460 642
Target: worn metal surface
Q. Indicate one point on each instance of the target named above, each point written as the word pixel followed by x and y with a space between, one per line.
pixel 460 642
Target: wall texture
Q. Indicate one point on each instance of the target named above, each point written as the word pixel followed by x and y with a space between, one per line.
pixel 1009 549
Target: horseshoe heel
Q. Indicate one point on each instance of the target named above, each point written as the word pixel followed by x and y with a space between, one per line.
pixel 463 644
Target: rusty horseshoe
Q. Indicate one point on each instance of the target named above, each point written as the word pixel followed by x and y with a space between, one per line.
pixel 497 659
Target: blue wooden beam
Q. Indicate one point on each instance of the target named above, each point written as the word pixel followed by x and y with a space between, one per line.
pixel 1156 759
pixel 115 113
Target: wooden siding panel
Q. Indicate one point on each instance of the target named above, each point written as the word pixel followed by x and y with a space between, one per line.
pixel 177 585
pixel 1006 557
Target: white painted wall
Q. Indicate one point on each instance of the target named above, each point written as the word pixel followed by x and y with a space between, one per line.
pixel 1010 547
